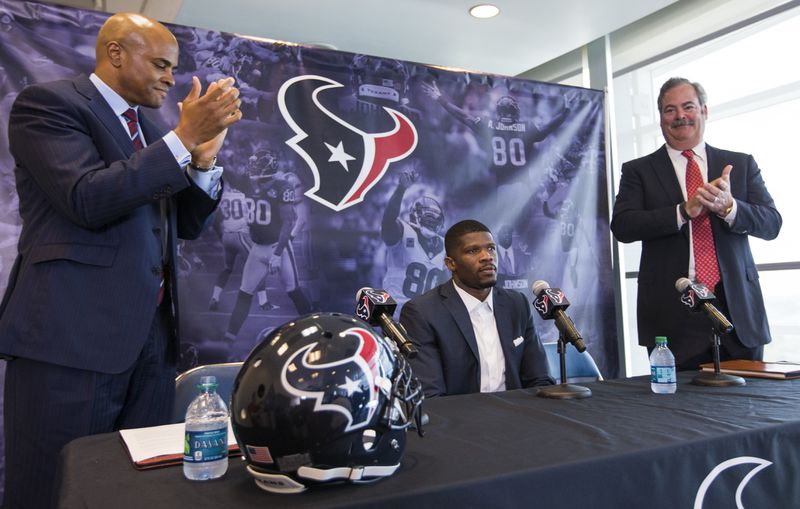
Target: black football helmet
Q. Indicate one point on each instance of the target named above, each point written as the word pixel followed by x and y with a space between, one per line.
pixel 507 110
pixel 262 164
pixel 323 398
pixel 427 213
pixel 378 80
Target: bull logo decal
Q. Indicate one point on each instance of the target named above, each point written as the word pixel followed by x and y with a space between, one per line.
pixel 348 386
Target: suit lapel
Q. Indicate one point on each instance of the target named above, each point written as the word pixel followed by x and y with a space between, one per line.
pixel 502 315
pixel 505 330
pixel 456 307
pixel 104 113
pixel 714 167
pixel 151 130
pixel 665 172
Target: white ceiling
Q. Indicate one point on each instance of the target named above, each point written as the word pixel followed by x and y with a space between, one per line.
pixel 526 34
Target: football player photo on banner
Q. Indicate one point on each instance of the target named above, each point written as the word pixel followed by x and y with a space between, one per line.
pixel 346 171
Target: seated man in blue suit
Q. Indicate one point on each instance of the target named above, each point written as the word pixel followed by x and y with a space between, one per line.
pixel 472 336
pixel 90 316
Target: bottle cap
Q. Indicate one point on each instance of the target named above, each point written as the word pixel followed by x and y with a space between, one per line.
pixel 661 340
pixel 207 382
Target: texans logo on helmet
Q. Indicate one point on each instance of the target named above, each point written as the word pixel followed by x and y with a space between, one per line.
pixel 346 161
pixel 348 386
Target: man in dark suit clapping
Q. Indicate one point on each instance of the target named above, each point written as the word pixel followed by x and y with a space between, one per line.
pixel 694 206
pixel 90 317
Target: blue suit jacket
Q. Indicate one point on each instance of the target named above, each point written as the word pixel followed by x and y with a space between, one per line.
pixel 83 289
pixel 645 210
pixel 448 363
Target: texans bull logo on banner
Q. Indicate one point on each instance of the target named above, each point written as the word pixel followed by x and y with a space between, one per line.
pixel 346 161
pixel 359 376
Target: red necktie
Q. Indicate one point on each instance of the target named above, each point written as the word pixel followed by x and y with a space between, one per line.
pixel 705 254
pixel 133 128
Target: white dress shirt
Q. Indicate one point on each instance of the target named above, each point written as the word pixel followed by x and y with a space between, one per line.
pixel 492 359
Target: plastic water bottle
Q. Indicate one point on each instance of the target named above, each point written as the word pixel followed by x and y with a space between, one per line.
pixel 205 444
pixel 663 379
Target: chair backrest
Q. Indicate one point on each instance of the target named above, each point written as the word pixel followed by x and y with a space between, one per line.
pixel 186 385
pixel 580 365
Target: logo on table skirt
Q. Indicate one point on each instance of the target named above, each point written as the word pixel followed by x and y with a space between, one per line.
pixel 760 463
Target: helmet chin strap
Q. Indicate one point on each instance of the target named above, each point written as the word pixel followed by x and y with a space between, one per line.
pixel 347 473
pixel 279 483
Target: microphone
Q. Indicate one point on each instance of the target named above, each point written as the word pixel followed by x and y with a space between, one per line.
pixel 697 296
pixel 551 303
pixel 376 307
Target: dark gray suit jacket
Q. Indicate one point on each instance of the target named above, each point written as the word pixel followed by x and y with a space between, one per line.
pixel 645 210
pixel 83 289
pixel 448 363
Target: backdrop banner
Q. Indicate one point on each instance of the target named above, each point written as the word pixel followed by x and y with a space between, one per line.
pixel 346 171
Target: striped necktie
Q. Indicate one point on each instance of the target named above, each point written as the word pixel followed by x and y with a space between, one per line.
pixel 133 128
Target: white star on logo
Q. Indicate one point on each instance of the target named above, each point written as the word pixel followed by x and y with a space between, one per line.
pixel 351 386
pixel 338 155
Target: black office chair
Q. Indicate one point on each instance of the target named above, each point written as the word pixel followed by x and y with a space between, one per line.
pixel 580 366
pixel 186 385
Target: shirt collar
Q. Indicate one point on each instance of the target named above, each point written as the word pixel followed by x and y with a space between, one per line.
pixel 699 152
pixel 117 103
pixel 471 302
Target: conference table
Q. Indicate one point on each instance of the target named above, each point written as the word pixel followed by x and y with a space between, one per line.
pixel 624 447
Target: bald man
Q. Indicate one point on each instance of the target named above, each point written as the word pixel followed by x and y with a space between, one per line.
pixel 90 317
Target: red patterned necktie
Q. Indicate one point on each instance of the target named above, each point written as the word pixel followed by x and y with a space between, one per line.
pixel 705 254
pixel 133 128
pixel 136 139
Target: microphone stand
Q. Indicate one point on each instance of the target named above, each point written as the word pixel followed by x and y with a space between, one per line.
pixel 716 379
pixel 564 390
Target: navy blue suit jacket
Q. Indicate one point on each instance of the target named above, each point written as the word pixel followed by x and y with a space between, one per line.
pixel 448 362
pixel 83 289
pixel 645 210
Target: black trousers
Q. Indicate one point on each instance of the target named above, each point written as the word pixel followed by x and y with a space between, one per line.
pixel 47 406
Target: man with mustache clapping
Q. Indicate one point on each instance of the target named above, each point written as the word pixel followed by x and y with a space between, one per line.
pixel 694 207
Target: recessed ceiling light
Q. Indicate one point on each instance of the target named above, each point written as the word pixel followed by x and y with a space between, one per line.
pixel 484 11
